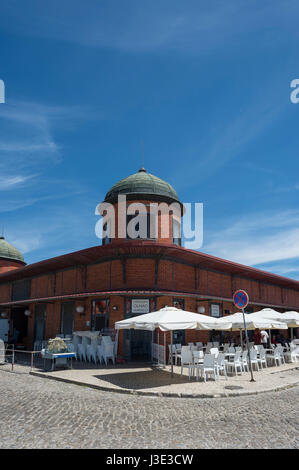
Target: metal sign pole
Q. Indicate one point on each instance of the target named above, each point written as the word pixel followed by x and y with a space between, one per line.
pixel 171 354
pixel 247 343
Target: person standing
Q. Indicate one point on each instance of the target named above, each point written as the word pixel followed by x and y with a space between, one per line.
pixel 264 338
pixel 257 336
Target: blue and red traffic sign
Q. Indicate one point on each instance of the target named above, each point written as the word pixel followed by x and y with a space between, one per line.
pixel 241 298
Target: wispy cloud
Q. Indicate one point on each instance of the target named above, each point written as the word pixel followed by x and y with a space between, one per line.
pixel 144 26
pixel 258 239
pixel 13 181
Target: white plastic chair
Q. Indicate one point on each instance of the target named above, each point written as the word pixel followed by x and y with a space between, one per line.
pixel 2 352
pixel 262 359
pixel 91 351
pixel 214 351
pixel 208 367
pixel 82 348
pixel 76 341
pixel 292 355
pixel 172 353
pixel 100 353
pixel 253 358
pixel 244 361
pixel 108 353
pixel 208 347
pixel 198 357
pixel 235 363
pixel 220 365
pixel 186 360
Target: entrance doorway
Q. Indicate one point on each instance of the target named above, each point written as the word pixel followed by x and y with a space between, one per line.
pixel 40 322
pixel 141 345
pixel 19 324
pixel 138 343
pixel 67 318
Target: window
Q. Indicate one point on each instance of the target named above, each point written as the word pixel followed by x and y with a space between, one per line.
pixel 107 228
pixel 176 232
pixel 21 290
pixel 142 230
pixel 100 314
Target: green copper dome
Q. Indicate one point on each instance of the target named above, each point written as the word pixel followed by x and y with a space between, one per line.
pixel 142 185
pixel 7 251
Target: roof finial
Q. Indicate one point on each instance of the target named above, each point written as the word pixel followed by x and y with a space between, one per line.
pixel 2 236
pixel 142 168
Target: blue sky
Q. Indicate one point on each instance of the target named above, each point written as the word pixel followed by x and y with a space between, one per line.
pixel 204 85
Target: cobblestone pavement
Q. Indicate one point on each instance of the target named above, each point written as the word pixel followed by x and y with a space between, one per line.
pixel 40 413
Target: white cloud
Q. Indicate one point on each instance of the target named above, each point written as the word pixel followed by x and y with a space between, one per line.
pixel 10 182
pixel 261 238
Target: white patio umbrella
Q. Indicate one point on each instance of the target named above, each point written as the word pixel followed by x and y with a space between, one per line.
pixel 292 319
pixel 253 321
pixel 172 318
pixel 269 314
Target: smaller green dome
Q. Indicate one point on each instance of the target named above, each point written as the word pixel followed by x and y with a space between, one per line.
pixel 7 251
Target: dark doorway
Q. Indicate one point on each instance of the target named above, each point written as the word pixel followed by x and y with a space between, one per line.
pixel 100 314
pixel 179 336
pixel 40 322
pixel 141 345
pixel 67 318
pixel 19 325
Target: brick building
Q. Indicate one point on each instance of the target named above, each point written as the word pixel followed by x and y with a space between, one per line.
pixel 95 287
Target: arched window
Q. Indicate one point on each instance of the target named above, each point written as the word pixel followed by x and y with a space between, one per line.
pixel 176 231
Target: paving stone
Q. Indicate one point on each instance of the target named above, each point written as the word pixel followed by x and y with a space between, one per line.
pixel 40 413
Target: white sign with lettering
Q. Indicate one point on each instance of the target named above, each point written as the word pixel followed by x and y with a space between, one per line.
pixel 215 310
pixel 140 306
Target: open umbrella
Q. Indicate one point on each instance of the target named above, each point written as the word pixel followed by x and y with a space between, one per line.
pixel 253 321
pixel 172 318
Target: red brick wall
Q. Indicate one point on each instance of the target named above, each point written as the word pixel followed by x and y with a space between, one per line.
pixel 98 277
pixel 7 265
pixel 140 273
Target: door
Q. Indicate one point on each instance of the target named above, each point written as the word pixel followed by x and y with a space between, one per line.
pixel 67 318
pixel 179 336
pixel 39 322
pixel 138 343
pixel 4 329
pixel 141 342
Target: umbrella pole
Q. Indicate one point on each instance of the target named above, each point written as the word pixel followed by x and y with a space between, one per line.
pixel 270 339
pixel 171 355
pixel 247 343
pixel 292 334
pixel 241 339
pixel 152 346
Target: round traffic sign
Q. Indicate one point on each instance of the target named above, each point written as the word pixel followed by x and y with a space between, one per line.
pixel 241 298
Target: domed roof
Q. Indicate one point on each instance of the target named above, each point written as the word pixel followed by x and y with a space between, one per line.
pixel 142 185
pixel 7 251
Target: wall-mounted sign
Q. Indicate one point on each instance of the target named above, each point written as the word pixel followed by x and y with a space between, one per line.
pixel 140 306
pixel 215 310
